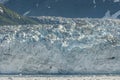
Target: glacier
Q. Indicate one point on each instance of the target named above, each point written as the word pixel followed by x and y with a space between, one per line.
pixel 61 46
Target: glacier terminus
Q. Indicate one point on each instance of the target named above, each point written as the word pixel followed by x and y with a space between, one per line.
pixel 61 46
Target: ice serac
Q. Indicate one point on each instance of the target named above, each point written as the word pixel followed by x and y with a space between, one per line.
pixel 61 46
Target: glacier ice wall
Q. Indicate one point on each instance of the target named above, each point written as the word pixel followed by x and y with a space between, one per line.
pixel 61 46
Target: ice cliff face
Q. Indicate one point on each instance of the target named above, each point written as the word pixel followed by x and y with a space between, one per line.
pixel 62 46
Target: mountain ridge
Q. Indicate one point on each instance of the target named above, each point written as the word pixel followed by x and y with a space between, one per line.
pixel 65 8
pixel 9 17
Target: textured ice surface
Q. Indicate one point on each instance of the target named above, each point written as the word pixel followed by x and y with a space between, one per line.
pixel 62 46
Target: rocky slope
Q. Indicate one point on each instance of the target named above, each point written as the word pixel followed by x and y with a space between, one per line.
pixel 8 17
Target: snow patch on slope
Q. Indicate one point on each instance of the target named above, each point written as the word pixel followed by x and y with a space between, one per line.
pixel 26 13
pixel 3 1
pixel 115 15
pixel 116 1
pixel 94 2
pixel 107 14
pixel 1 10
